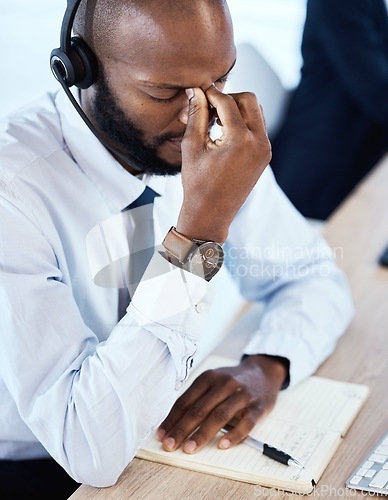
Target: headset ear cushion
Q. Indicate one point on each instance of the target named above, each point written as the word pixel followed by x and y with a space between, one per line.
pixel 62 62
pixel 84 63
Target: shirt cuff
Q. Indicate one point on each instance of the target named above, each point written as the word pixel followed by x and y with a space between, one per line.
pixel 173 305
pixel 286 346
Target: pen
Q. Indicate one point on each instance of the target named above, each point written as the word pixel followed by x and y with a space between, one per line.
pixel 267 450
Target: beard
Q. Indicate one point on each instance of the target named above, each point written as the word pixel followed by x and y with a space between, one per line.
pixel 111 119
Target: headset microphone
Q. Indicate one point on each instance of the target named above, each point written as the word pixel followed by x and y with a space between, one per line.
pixel 74 63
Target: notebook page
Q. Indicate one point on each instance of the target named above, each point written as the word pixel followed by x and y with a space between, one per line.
pixel 324 403
pixel 310 445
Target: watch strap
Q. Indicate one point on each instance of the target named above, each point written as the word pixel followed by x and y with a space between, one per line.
pixel 178 245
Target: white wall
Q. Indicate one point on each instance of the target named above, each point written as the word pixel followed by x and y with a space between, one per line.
pixel 29 29
pixel 274 28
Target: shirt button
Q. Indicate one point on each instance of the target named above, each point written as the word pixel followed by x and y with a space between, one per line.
pixel 202 308
pixel 178 385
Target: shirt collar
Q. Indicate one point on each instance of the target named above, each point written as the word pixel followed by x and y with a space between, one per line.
pixel 118 187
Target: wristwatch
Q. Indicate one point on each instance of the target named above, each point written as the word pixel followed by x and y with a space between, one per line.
pixel 199 257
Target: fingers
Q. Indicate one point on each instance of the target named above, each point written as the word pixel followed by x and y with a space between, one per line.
pixel 198 118
pixel 217 419
pixel 210 403
pixel 189 411
pixel 237 110
pixel 252 112
pixel 209 413
pixel 233 111
pixel 229 116
pixel 198 388
pixel 242 428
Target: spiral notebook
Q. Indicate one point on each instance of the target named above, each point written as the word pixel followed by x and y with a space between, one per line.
pixel 308 422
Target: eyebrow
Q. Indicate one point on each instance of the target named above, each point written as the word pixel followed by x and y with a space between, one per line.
pixel 176 87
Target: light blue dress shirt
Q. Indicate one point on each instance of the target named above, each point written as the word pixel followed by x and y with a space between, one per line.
pixel 77 384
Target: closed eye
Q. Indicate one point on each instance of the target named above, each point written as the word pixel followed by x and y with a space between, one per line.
pixel 172 98
pixel 169 99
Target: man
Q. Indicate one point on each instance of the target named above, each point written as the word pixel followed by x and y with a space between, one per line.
pixel 88 370
pixel 336 126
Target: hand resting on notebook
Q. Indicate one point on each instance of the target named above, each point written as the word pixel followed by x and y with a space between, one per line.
pixel 243 393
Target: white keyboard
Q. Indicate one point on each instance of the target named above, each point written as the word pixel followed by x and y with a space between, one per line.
pixel 372 473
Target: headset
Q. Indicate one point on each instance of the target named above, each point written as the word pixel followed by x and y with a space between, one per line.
pixel 74 63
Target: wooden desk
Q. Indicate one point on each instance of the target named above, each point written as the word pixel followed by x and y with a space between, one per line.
pixel 358 232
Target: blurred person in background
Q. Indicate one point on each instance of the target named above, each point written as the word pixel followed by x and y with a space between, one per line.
pixel 336 126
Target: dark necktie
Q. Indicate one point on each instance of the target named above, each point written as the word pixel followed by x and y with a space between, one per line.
pixel 141 245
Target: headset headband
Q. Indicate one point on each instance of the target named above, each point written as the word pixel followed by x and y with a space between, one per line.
pixel 67 24
pixel 74 63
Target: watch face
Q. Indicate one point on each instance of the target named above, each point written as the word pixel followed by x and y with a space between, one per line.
pixel 206 260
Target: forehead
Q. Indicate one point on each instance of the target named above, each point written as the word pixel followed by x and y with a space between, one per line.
pixel 160 48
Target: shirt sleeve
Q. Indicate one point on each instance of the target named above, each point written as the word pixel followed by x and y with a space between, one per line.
pixel 90 403
pixel 277 258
